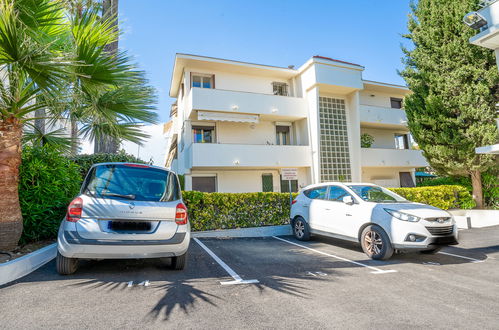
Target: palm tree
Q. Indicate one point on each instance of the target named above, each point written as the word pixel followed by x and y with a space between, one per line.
pixel 52 63
pixel 31 65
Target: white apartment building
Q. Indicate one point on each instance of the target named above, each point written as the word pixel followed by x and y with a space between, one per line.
pixel 235 125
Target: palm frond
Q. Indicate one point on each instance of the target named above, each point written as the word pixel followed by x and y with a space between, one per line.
pixel 56 139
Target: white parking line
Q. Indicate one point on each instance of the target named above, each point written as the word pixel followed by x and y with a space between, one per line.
pixel 463 257
pixel 375 269
pixel 237 278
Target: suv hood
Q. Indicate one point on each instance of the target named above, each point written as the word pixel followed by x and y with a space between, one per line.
pixel 417 209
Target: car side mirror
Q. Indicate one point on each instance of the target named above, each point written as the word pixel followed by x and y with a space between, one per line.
pixel 348 200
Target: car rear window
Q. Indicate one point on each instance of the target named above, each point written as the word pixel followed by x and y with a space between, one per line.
pixel 133 182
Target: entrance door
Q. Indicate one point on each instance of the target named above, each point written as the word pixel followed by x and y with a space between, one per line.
pixel 204 183
pixel 406 179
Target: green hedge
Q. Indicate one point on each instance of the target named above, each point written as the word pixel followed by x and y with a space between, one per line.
pixel 490 185
pixel 209 211
pixel 444 197
pixel 47 183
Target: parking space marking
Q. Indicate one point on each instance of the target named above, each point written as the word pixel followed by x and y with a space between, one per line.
pixel 237 278
pixel 463 257
pixel 375 270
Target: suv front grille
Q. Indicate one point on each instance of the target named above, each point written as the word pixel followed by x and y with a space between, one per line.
pixel 441 231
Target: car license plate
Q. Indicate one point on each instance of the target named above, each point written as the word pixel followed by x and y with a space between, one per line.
pixel 129 225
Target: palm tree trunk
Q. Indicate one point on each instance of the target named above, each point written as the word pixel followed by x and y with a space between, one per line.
pixel 74 136
pixel 40 121
pixel 109 10
pixel 476 183
pixel 11 220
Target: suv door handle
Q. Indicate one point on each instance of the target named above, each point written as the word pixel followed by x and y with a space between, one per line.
pixel 348 215
pixel 305 205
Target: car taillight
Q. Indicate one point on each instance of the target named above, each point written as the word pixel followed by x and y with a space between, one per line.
pixel 294 201
pixel 74 210
pixel 181 214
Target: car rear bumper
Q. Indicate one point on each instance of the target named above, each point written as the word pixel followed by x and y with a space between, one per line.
pixel 72 245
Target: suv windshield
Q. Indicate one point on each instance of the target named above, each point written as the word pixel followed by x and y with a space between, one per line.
pixel 376 194
pixel 130 181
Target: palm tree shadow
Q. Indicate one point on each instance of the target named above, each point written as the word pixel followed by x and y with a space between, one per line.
pixel 179 293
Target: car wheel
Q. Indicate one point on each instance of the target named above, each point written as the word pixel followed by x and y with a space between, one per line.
pixel 432 251
pixel 301 229
pixel 178 263
pixel 66 266
pixel 376 243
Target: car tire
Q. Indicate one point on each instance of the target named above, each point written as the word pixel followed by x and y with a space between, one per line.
pixel 301 230
pixel 376 243
pixel 178 263
pixel 432 251
pixel 66 266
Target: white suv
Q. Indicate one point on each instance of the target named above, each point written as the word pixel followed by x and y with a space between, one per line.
pixel 382 221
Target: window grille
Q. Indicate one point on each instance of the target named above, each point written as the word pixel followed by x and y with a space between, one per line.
pixel 280 88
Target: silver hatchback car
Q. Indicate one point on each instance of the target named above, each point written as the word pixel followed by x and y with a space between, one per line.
pixel 125 211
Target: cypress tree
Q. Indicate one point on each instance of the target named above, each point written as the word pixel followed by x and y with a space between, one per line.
pixel 454 85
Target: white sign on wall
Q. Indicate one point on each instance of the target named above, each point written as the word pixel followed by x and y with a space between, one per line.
pixel 289 173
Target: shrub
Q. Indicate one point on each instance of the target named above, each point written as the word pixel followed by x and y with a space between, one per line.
pixel 47 183
pixel 86 161
pixel 444 197
pixel 366 140
pixel 490 185
pixel 209 211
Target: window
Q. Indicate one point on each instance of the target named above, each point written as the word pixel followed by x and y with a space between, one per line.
pixel 336 194
pixel 334 152
pixel 402 141
pixel 204 183
pixel 316 193
pixel 282 135
pixel 203 80
pixel 132 182
pixel 267 183
pixel 204 134
pixel 396 103
pixel 376 194
pixel 406 179
pixel 280 88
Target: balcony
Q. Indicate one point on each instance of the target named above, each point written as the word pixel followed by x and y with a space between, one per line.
pixel 244 156
pixel 371 116
pixel 375 157
pixel 246 102
pixel 488 36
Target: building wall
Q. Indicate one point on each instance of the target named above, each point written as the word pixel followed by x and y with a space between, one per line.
pixel 383 138
pixel 246 133
pixel 385 176
pixel 237 181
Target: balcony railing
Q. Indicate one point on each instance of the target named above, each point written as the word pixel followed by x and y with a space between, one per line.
pixel 380 116
pixel 242 155
pixel 377 157
pixel 246 102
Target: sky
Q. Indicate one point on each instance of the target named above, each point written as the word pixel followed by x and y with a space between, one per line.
pixel 272 32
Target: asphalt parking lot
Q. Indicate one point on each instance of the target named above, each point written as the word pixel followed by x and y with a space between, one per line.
pixel 323 283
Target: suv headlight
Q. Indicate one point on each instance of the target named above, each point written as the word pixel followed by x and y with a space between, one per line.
pixel 403 216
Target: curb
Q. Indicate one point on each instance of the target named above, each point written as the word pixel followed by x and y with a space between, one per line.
pixel 246 232
pixel 17 268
